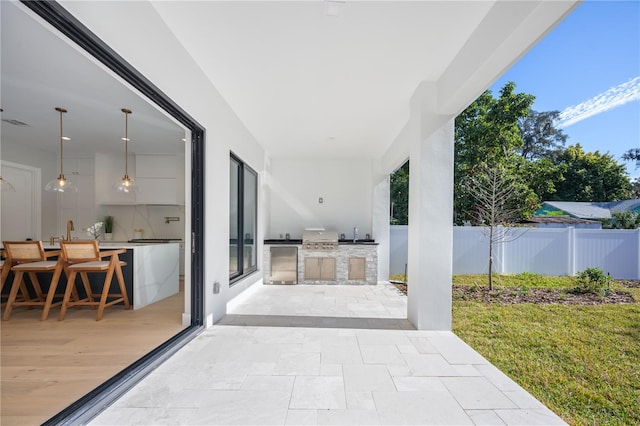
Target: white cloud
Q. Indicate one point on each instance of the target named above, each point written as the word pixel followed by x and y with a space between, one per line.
pixel 616 96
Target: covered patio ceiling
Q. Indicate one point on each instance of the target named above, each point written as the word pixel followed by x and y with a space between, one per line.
pixel 334 79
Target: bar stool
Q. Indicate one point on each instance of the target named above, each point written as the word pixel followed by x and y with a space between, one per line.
pixel 29 257
pixel 82 257
pixel 6 267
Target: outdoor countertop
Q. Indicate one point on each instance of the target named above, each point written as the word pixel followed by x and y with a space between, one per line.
pixel 299 242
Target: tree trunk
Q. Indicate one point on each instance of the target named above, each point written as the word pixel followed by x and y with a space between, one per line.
pixel 490 257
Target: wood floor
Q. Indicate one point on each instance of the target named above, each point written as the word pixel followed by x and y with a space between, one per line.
pixel 47 365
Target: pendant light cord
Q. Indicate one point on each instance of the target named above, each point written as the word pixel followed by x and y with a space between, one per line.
pixel 126 142
pixel 61 144
pixel 61 111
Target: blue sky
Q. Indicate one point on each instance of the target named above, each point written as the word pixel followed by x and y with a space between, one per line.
pixel 591 58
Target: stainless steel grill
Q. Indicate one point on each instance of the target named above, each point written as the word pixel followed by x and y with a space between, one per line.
pixel 320 240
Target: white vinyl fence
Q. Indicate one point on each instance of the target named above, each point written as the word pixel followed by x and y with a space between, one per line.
pixel 555 251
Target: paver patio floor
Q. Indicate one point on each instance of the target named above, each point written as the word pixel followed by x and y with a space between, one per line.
pixel 320 355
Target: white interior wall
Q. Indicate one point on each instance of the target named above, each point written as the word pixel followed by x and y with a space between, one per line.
pixel 47 162
pixel 296 185
pixel 154 51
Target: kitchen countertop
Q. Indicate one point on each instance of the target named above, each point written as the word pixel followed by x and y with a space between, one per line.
pixel 340 242
pixel 283 241
pixel 109 244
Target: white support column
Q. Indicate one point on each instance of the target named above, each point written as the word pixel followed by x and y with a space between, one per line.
pixel 381 227
pixel 430 260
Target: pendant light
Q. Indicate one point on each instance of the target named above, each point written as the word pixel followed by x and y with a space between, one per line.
pixel 126 184
pixel 5 185
pixel 61 184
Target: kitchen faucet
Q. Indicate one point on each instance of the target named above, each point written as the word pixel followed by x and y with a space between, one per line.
pixel 69 229
pixel 355 234
pixel 53 239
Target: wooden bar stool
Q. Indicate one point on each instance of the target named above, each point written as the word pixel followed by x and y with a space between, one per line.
pixel 81 257
pixel 29 257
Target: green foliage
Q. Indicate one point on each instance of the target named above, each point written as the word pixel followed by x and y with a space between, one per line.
pixel 632 154
pixel 591 176
pixel 593 280
pixel 108 224
pixel 540 138
pixel 487 135
pixel 400 195
pixel 623 220
pixel 541 176
pixel 635 188
pixel 505 132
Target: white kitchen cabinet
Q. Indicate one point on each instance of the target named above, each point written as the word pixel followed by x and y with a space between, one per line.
pixel 109 169
pixel 160 179
pixel 156 166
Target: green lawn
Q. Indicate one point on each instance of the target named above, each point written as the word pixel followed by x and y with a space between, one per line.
pixel 583 362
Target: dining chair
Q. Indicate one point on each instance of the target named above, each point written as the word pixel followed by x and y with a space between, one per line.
pixel 6 268
pixel 82 257
pixel 29 257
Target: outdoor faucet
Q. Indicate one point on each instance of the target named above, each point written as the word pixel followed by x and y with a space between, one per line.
pixel 69 229
pixel 355 234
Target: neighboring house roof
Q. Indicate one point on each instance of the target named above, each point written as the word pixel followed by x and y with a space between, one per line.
pixel 589 210
pixel 561 219
pixel 626 205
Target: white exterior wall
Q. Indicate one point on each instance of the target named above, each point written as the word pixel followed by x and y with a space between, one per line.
pixel 346 189
pixel 542 251
pixel 172 70
pixel 381 226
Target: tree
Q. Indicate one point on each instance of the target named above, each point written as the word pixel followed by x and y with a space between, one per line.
pixel 591 176
pixel 624 220
pixel 540 137
pixel 400 195
pixel 495 191
pixel 635 188
pixel 542 176
pixel 487 132
pixel 632 155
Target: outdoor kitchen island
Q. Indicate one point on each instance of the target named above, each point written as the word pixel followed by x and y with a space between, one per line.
pixel 327 261
pixel 151 272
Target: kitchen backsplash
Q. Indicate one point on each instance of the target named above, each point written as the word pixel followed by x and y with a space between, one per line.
pixel 152 219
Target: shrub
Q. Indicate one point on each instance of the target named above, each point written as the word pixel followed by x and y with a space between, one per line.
pixel 593 280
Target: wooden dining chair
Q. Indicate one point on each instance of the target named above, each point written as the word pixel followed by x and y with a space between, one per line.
pixel 29 257
pixel 6 267
pixel 82 257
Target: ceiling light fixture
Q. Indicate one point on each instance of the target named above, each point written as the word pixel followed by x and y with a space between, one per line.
pixel 126 184
pixel 5 185
pixel 333 7
pixel 61 184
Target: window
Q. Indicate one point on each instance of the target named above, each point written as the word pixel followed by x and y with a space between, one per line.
pixel 243 226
